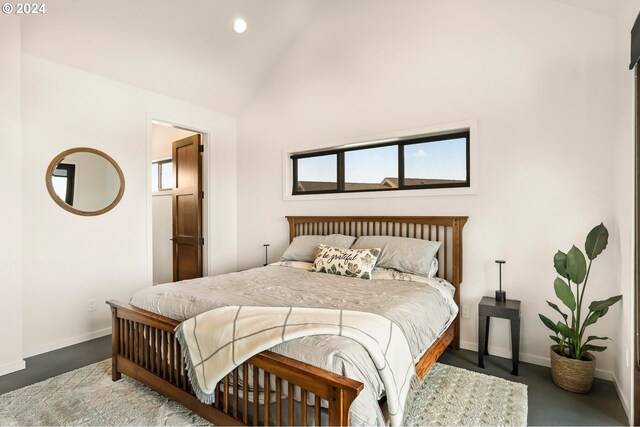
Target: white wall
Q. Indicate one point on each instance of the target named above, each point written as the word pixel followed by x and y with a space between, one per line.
pixel 539 78
pixel 69 259
pixel 10 214
pixel 623 199
pixel 161 148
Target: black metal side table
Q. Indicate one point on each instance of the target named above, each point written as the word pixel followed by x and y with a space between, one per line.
pixel 509 309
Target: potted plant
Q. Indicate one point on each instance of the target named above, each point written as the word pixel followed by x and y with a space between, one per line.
pixel 572 362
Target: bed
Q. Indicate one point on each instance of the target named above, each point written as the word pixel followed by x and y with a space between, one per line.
pixel 144 346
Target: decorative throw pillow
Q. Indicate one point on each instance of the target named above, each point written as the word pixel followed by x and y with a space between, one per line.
pixel 346 262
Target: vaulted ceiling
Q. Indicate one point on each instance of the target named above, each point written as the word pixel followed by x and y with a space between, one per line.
pixel 183 49
pixel 602 7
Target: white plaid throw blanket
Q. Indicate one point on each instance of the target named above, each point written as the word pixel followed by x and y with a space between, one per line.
pixel 219 340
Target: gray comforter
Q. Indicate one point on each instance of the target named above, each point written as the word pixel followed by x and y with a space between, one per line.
pixel 423 310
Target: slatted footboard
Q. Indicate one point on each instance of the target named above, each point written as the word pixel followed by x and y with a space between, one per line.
pixel 288 392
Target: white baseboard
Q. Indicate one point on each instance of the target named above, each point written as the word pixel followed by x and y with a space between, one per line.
pixel 65 342
pixel 12 367
pixel 529 358
pixel 623 399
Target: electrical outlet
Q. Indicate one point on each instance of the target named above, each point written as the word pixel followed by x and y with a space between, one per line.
pixel 92 305
pixel 465 312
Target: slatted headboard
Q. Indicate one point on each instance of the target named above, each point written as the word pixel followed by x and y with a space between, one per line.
pixel 446 229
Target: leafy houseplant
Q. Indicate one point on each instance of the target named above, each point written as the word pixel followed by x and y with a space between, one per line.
pixel 572 364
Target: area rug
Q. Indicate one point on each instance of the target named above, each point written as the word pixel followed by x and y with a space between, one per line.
pixel 87 396
pixel 450 396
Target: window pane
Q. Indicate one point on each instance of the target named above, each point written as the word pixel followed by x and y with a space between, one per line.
pixel 436 162
pixel 318 173
pixel 371 169
pixel 60 186
pixel 167 175
pixel 60 171
pixel 154 177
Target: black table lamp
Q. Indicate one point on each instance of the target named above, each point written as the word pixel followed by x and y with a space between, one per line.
pixel 500 294
pixel 266 254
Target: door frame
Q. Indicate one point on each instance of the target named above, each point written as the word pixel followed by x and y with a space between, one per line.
pixel 634 417
pixel 206 208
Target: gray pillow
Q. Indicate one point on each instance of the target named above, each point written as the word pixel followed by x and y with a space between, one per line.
pixel 405 254
pixel 305 248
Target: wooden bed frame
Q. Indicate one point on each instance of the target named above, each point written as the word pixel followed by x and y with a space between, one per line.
pixel 144 346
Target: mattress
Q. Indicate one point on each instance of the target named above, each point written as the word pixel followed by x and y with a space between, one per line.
pixel 423 308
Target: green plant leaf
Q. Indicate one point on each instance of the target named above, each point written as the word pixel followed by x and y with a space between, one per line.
pixel 596 242
pixel 604 304
pixel 560 263
pixel 565 330
pixel 548 323
pixel 591 319
pixel 556 308
pixel 576 265
pixel 563 291
pixel 593 338
pixel 589 347
pixel 556 339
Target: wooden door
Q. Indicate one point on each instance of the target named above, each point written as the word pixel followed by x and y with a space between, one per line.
pixel 187 208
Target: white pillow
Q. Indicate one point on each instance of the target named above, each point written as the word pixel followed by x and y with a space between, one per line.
pixel 357 263
pixel 305 248
pixel 434 268
pixel 414 256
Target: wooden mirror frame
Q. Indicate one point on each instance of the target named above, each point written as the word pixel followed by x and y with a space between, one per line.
pixel 54 163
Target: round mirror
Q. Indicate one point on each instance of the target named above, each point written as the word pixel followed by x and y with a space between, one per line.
pixel 85 181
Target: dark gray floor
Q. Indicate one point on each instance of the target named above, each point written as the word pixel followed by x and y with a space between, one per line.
pixel 44 366
pixel 548 404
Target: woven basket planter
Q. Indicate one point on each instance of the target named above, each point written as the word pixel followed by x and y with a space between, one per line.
pixel 571 374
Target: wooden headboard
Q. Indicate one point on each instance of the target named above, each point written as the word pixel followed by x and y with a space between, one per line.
pixel 445 229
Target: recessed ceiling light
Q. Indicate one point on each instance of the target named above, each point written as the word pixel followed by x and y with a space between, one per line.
pixel 240 25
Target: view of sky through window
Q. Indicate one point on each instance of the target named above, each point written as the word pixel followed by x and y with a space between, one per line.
pixel 320 168
pixel 446 160
pixel 318 173
pixel 372 165
pixel 161 176
pixel 167 175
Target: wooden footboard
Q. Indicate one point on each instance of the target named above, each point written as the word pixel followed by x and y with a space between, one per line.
pixel 144 347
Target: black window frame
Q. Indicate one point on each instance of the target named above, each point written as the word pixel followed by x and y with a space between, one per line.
pixel 71 180
pixel 401 144
pixel 160 163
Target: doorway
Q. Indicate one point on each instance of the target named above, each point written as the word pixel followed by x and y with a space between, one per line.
pixel 176 203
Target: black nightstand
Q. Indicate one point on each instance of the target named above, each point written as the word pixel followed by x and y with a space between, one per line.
pixel 510 309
